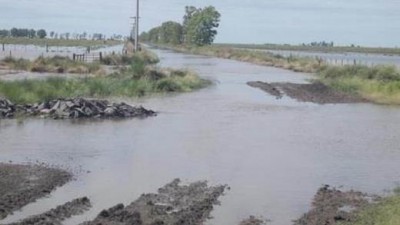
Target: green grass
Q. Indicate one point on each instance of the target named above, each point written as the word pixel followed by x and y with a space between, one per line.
pixel 385 212
pixel 146 56
pixel 379 84
pixel 59 42
pixel 56 64
pixel 125 84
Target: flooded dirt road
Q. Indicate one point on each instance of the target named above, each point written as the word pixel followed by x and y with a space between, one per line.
pixel 273 153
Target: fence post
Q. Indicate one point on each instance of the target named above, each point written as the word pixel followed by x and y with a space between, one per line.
pixel 3 47
pixel 355 62
pixel 101 56
pixel 47 47
pixel 73 56
pixel 10 54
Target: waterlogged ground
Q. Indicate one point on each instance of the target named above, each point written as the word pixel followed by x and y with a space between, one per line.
pixel 345 58
pixel 32 52
pixel 273 153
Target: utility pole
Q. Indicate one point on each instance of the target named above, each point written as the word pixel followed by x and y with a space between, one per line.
pixel 133 31
pixel 137 27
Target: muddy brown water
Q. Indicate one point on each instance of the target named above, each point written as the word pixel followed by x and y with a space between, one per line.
pixel 274 154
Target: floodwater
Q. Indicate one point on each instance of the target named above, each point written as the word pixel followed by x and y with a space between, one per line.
pixel 32 52
pixel 345 58
pixel 274 154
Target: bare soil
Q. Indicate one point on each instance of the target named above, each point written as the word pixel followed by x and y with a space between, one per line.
pixel 316 92
pixel 331 206
pixel 57 215
pixel 252 220
pixel 174 204
pixel 21 185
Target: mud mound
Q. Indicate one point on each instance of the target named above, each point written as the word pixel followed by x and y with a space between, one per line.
pixel 269 88
pixel 74 109
pixel 21 185
pixel 59 214
pixel 331 206
pixel 315 92
pixel 252 220
pixel 174 204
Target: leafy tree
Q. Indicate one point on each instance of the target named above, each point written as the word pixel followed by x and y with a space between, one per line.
pixel 14 32
pixel 189 11
pixel 41 33
pixel 154 35
pixel 171 33
pixel 200 24
pixel 31 33
pixel 4 33
pixel 144 36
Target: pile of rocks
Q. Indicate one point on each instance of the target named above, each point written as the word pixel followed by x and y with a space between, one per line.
pixel 7 109
pixel 74 109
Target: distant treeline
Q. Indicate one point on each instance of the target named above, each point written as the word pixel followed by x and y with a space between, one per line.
pixel 320 44
pixel 23 32
pixel 198 28
pixel 42 33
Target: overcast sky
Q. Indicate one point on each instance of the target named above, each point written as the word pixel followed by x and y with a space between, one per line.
pixel 364 22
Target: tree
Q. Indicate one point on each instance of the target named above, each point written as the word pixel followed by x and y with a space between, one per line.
pixel 171 33
pixel 200 24
pixel 31 33
pixel 144 36
pixel 52 34
pixel 14 32
pixel 41 33
pixel 4 33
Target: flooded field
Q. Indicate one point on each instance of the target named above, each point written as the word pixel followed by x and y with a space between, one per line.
pixel 32 51
pixel 273 153
pixel 346 58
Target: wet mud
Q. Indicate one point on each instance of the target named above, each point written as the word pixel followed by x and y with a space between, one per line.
pixel 22 184
pixel 252 220
pixel 174 204
pixel 316 92
pixel 331 206
pixel 60 213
